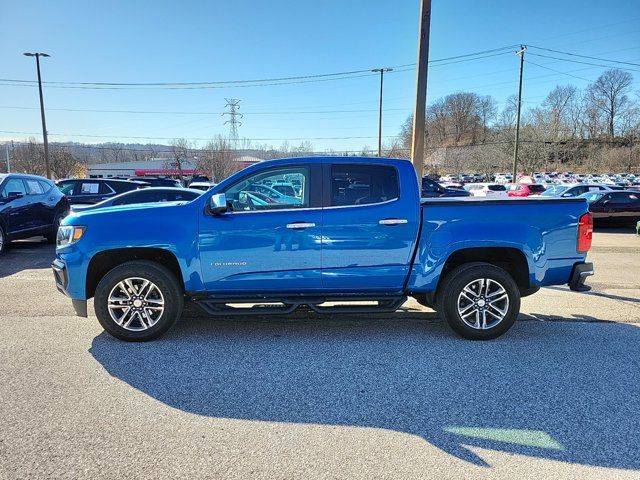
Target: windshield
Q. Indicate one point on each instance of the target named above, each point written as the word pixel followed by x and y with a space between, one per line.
pixel 554 191
pixel 497 188
pixel 592 196
pixel 536 188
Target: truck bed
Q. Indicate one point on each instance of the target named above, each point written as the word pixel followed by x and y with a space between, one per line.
pixel 543 231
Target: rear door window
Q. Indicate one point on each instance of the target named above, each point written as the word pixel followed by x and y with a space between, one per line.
pixel 88 188
pixel 34 187
pixel 363 184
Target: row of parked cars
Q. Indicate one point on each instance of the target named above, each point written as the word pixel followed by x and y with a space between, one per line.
pixel 611 204
pixel 31 205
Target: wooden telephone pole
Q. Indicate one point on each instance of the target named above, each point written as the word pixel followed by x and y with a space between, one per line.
pixel 419 112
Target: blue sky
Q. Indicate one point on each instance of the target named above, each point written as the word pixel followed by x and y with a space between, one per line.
pixel 204 41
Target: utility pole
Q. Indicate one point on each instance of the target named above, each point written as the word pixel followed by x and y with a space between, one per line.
pixel 44 123
pixel 419 112
pixel 523 48
pixel 8 160
pixel 381 70
pixel 233 104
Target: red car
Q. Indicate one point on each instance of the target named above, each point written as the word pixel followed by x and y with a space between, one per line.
pixel 524 189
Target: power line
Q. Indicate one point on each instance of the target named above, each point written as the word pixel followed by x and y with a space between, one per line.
pixel 586 56
pixel 557 71
pixel 194 138
pixel 161 112
pixel 257 82
pixel 583 63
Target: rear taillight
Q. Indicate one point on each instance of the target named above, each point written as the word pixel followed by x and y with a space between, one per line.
pixel 585 233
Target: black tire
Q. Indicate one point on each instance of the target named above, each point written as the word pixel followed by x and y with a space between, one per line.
pixel 165 282
pixel 53 233
pixel 4 241
pixel 452 288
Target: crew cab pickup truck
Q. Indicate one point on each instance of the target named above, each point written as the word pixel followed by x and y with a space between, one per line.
pixel 357 238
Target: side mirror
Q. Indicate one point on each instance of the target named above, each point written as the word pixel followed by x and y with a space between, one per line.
pixel 604 202
pixel 218 204
pixel 14 195
pixel 566 195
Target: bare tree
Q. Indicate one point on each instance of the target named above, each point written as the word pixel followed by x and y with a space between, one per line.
pixel 64 164
pixel 28 157
pixel 181 152
pixel 217 159
pixel 608 96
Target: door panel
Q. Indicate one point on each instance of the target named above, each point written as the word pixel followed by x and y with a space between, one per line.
pixel 257 252
pixel 263 245
pixel 368 232
pixel 38 203
pixel 19 217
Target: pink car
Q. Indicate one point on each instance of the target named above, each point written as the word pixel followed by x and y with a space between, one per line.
pixel 524 189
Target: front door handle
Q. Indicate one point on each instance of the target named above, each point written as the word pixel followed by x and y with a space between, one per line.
pixel 300 225
pixel 393 221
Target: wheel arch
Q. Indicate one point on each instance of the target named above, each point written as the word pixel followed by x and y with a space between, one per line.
pixel 510 259
pixel 104 261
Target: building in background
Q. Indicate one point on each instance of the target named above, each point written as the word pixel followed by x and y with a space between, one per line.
pixel 157 167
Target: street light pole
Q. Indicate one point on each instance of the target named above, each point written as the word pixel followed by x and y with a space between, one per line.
pixel 44 123
pixel 419 112
pixel 381 70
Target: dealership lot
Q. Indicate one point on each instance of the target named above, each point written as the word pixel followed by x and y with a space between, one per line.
pixel 384 396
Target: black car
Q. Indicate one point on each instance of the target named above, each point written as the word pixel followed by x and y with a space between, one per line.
pixel 145 195
pixel 614 208
pixel 158 181
pixel 431 188
pixel 94 190
pixel 29 206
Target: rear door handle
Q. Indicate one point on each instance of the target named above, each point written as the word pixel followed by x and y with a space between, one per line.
pixel 300 225
pixel 393 221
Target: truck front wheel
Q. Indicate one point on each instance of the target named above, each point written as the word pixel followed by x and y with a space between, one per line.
pixel 138 301
pixel 479 301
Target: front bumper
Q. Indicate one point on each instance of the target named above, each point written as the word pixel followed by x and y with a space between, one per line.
pixel 578 276
pixel 61 276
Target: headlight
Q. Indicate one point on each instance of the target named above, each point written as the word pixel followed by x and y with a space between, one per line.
pixel 69 234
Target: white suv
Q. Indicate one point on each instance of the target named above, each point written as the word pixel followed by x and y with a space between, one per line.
pixel 489 190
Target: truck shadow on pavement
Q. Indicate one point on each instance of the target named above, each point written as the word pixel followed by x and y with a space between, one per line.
pixel 562 390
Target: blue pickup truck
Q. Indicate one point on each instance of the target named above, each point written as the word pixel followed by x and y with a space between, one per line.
pixel 357 239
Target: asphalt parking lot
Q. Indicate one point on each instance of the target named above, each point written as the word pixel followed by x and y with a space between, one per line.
pixel 381 396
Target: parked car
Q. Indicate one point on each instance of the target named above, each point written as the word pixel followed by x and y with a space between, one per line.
pixel 431 189
pixel 145 195
pixel 274 194
pixel 285 188
pixel 29 206
pixel 95 190
pixel 573 190
pixel 158 181
pixel 524 189
pixel 490 190
pixel 203 186
pixel 470 260
pixel 614 208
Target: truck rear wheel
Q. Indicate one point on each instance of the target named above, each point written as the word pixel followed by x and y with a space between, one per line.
pixel 479 301
pixel 138 301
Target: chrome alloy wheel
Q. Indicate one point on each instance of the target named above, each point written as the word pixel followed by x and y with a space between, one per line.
pixel 483 303
pixel 135 304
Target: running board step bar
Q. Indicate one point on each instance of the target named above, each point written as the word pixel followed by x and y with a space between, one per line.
pixel 284 306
